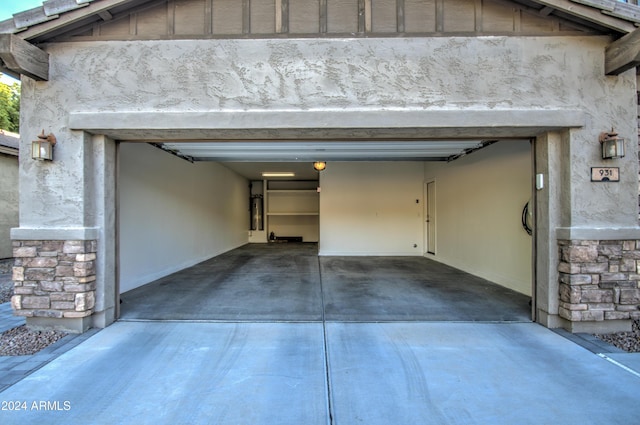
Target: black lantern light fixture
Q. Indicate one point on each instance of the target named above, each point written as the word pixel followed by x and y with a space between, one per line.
pixel 319 165
pixel 42 149
pixel 612 145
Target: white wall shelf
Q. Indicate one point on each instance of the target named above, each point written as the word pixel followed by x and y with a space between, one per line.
pixel 294 212
pixel 295 191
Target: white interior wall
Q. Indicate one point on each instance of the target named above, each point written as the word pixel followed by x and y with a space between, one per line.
pixel 479 202
pixel 369 208
pixel 174 214
pixel 305 226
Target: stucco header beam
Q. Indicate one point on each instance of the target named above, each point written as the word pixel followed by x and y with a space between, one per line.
pixel 198 125
pixel 55 233
pixel 608 233
pixel 21 57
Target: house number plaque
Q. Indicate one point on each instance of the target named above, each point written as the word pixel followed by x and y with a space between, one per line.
pixel 605 174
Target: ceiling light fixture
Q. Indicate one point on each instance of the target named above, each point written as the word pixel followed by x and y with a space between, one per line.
pixel 319 165
pixel 278 174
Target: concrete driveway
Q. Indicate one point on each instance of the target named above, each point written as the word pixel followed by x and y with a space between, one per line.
pixel 315 373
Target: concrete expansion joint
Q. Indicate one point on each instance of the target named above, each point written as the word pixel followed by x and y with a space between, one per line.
pixel 620 365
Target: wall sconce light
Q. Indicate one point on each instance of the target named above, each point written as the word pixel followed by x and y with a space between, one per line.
pixel 612 145
pixel 319 165
pixel 42 149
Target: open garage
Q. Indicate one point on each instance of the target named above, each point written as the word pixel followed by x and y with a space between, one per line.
pixel 446 208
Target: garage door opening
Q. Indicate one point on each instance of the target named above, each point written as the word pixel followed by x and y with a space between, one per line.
pixel 176 215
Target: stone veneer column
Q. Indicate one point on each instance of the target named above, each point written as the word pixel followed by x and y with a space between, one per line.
pixel 599 282
pixel 55 280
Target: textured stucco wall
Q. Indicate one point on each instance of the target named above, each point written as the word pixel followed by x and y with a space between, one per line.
pixel 8 202
pixel 459 73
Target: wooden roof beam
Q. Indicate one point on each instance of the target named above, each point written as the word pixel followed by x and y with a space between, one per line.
pixel 622 54
pixel 21 57
pixel 105 15
pixel 71 17
pixel 546 11
pixel 590 14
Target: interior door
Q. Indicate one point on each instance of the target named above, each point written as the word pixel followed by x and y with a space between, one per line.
pixel 430 217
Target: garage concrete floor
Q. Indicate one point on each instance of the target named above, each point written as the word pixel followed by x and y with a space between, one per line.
pixel 289 282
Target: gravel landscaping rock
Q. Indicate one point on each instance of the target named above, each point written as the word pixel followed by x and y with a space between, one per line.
pixel 6 288
pixel 627 341
pixel 6 266
pixel 21 341
pixel 6 282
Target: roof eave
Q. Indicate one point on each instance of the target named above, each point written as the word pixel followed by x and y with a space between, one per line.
pixel 37 24
pixel 7 150
pixel 42 20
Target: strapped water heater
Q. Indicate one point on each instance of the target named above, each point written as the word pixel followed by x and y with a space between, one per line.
pixel 257 214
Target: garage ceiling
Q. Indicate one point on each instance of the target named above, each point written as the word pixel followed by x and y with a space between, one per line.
pixel 304 151
pixel 251 158
pixel 253 170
